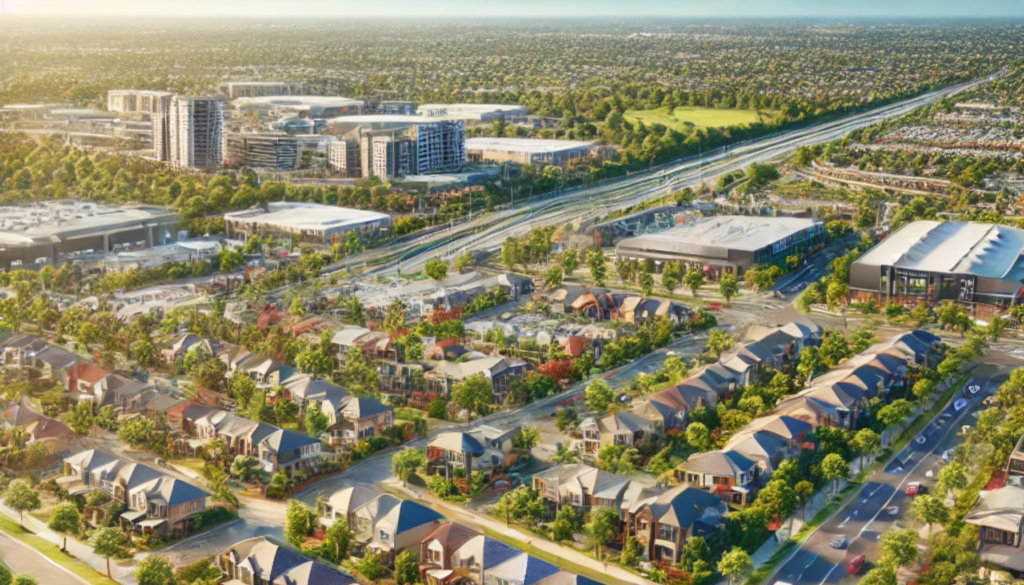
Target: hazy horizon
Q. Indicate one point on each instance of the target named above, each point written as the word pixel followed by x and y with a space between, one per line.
pixel 935 9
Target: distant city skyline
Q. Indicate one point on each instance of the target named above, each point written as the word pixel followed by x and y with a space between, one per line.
pixel 528 8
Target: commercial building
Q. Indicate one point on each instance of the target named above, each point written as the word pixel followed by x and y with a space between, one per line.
pixel 55 232
pixel 391 145
pixel 303 106
pixel 278 152
pixel 311 223
pixel 527 151
pixel 240 89
pixel 471 112
pixel 977 264
pixel 195 127
pixel 139 102
pixel 727 243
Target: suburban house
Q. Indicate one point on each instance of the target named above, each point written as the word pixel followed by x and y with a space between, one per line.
pixel 999 516
pixel 580 486
pixel 480 554
pixel 389 525
pixel 618 428
pixel 436 552
pixel 344 503
pixel 155 501
pixel 521 569
pixel 264 561
pixel 37 426
pixel 186 342
pixel 729 474
pixel 499 371
pixel 765 449
pixel 302 388
pixel 277 449
pixel 34 359
pixel 484 448
pixel 353 419
pixel 670 409
pixel 566 578
pixel 790 431
pixel 85 382
pixel 663 523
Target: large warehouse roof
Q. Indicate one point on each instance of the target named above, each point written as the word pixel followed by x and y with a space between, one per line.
pixel 981 249
pixel 297 101
pixel 531 145
pixel 733 232
pixel 307 216
pixel 49 220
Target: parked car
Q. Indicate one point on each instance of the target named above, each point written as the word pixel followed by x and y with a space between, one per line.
pixel 960 404
pixel 893 511
pixel 915 488
pixel 972 389
pixel 856 564
pixel 837 541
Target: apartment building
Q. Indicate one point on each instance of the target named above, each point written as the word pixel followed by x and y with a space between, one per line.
pixel 275 152
pixel 139 103
pixel 196 132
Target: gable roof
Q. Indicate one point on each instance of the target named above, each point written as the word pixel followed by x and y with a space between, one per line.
pixel 313 573
pixel 681 506
pixel 352 498
pixel 267 559
pixel 522 568
pixel 721 463
pixel 458 442
pixel 452 535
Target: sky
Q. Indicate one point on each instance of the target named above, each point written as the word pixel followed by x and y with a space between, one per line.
pixel 889 9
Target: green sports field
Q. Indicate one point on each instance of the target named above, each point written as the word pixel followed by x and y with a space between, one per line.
pixel 681 118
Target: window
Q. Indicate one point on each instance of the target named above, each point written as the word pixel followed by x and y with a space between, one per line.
pixel 384 536
pixel 666 532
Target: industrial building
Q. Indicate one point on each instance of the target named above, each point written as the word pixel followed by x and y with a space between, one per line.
pixel 527 151
pixel 303 106
pixel 55 232
pixel 194 130
pixel 241 89
pixel 308 223
pixel 977 264
pixel 727 243
pixel 471 112
pixel 137 102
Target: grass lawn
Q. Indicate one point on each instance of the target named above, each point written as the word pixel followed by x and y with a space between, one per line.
pixel 682 118
pixel 52 552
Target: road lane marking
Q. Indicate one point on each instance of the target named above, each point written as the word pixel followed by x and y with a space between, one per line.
pixel 850 517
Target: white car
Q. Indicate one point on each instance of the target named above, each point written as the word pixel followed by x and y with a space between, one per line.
pixel 947 455
pixel 973 389
pixel 920 439
pixel 960 404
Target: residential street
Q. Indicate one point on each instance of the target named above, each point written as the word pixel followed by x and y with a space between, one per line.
pixel 21 558
pixel 864 518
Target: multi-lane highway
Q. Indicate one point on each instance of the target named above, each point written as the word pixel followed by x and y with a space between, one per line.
pixel 883 504
pixel 581 204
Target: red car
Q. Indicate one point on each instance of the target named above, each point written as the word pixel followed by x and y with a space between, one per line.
pixel 856 564
pixel 915 488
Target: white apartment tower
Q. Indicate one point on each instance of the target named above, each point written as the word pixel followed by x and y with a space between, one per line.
pixel 195 132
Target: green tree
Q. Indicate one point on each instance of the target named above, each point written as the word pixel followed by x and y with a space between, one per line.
pixel 866 442
pixel 923 389
pixel 79 418
pixel 899 548
pixel 566 419
pixel 298 307
pixel 834 348
pixel 520 504
pixel 728 287
pixel 6 578
pixel 953 477
pixel 65 519
pixel 527 438
pixel 230 260
pixel 21 498
pixel 435 269
pixel 570 261
pixel 598 268
pixel 598 395
pixel 25 580
pixel 553 277
pixel 407 569
pixel 895 413
pixel 474 394
pixel 693 280
pixel 996 327
pixel 778 498
pixel 371 567
pixel 299 522
pixel 735 564
pixel 810 365
pixel 144 353
pixel 698 436
pixel 155 570
pixel 245 468
pixel 438 408
pixel 833 469
pixel 406 462
pixel 316 420
pixel 804 493
pixel 602 526
pixel 646 282
pixel 718 341
pixel 463 261
pixel 339 537
pixel 930 510
pixel 879 576
pixel 566 524
pixel 110 542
